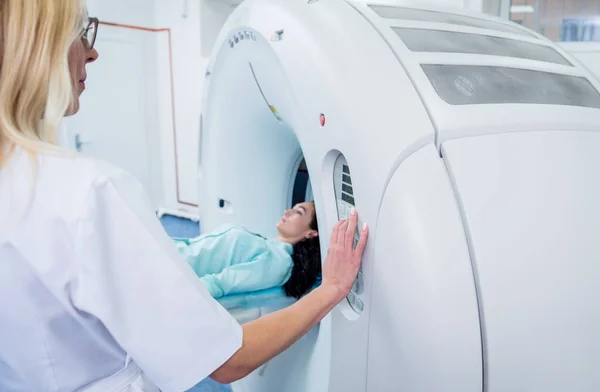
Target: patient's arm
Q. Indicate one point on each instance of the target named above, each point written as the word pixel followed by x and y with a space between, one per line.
pixel 265 271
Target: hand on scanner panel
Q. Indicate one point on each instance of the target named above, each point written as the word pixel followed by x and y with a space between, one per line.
pixel 343 260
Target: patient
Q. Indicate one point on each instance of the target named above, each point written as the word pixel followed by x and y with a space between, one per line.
pixel 233 260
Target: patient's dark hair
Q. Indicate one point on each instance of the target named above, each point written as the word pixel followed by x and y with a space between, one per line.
pixel 307 265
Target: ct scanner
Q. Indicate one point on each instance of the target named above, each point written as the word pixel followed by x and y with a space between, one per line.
pixel 470 146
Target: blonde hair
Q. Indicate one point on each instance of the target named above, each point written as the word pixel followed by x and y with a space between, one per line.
pixel 35 81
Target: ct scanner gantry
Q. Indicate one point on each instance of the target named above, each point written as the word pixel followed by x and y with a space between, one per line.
pixel 469 145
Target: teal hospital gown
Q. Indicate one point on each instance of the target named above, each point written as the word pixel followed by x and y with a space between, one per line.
pixel 233 260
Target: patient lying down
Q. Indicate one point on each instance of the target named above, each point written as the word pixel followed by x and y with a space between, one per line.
pixel 233 260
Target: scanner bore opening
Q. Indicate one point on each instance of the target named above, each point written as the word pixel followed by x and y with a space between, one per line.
pixel 302 190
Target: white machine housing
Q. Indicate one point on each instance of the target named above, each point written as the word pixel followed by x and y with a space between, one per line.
pixel 470 145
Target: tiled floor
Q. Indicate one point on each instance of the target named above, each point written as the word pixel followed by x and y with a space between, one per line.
pixel 183 228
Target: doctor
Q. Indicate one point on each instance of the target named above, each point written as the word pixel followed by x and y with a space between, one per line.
pixel 93 294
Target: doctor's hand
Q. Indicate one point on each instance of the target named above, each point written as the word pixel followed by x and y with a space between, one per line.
pixel 265 338
pixel 343 260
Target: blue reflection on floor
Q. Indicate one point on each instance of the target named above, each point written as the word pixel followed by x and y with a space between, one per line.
pixel 179 227
pixel 185 228
pixel 209 385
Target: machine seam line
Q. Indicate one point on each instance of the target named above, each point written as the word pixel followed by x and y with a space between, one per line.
pixel 476 282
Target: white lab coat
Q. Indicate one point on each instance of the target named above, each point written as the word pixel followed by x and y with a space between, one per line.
pixel 89 278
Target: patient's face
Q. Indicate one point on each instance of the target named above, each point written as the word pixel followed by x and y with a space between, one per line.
pixel 294 225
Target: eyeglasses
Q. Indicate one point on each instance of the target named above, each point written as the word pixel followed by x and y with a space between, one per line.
pixel 89 33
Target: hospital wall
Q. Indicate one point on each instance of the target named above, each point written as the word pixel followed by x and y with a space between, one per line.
pixel 167 95
pixel 151 127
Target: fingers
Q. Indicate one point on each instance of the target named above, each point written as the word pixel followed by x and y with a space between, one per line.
pixel 343 233
pixel 362 241
pixel 334 233
pixel 351 229
pixel 341 237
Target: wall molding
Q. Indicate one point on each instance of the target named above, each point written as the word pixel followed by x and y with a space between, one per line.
pixel 172 82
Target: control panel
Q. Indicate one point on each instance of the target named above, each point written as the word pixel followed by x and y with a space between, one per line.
pixel 344 194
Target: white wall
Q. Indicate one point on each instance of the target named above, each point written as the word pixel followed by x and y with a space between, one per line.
pixel 118 120
pixel 173 109
pixel 180 69
pixel 194 26
pixel 475 5
pixel 131 12
pixel 179 160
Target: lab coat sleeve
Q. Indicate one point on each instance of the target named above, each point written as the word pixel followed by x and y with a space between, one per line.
pixel 134 281
pixel 264 271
